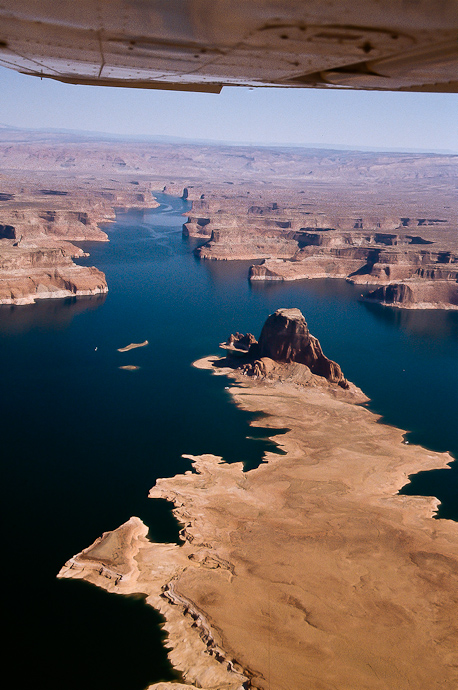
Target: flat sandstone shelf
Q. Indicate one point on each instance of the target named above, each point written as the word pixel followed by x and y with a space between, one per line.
pixel 308 572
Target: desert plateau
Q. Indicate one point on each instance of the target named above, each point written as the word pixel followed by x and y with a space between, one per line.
pixel 384 221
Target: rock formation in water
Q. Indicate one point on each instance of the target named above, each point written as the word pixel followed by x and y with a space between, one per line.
pixel 31 271
pixel 42 211
pixel 239 343
pixel 285 339
pixel 417 295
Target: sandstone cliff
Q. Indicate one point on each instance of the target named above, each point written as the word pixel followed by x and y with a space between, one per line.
pixel 264 243
pixel 295 241
pixel 362 259
pixel 285 338
pixel 60 224
pixel 40 214
pixel 411 294
pixel 30 271
pixel 36 256
pixel 431 274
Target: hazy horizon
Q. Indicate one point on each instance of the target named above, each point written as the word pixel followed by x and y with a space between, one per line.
pixel 169 139
pixel 324 118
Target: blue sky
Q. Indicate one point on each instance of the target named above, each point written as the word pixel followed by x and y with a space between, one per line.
pixel 284 116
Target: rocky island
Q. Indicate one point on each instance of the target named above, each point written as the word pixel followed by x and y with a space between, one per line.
pixel 310 571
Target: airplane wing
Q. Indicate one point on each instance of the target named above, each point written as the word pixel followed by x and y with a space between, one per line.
pixel 203 45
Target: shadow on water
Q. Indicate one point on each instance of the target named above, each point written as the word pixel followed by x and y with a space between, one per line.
pixel 433 324
pixel 46 314
pixel 104 641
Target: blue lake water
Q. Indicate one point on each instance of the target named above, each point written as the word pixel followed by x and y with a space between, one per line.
pixel 83 441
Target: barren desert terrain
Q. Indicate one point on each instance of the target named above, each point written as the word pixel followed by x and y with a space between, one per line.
pixel 384 220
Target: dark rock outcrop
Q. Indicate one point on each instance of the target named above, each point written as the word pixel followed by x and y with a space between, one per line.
pixel 241 341
pixel 285 338
pixel 394 293
pixel 239 345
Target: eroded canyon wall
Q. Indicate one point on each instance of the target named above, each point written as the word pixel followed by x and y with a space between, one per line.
pixel 378 219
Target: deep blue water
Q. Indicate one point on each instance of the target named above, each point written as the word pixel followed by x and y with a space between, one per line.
pixel 83 441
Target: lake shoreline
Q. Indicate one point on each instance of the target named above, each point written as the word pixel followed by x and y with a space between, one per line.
pixel 316 557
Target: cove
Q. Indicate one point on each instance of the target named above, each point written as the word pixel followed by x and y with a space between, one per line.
pixel 83 441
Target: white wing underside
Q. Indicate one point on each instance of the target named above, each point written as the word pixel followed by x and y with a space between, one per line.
pixel 203 45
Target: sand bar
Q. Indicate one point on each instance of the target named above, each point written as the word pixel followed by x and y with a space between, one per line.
pixel 132 346
pixel 308 572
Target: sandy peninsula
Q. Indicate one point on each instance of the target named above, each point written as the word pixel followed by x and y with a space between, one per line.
pixel 307 572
